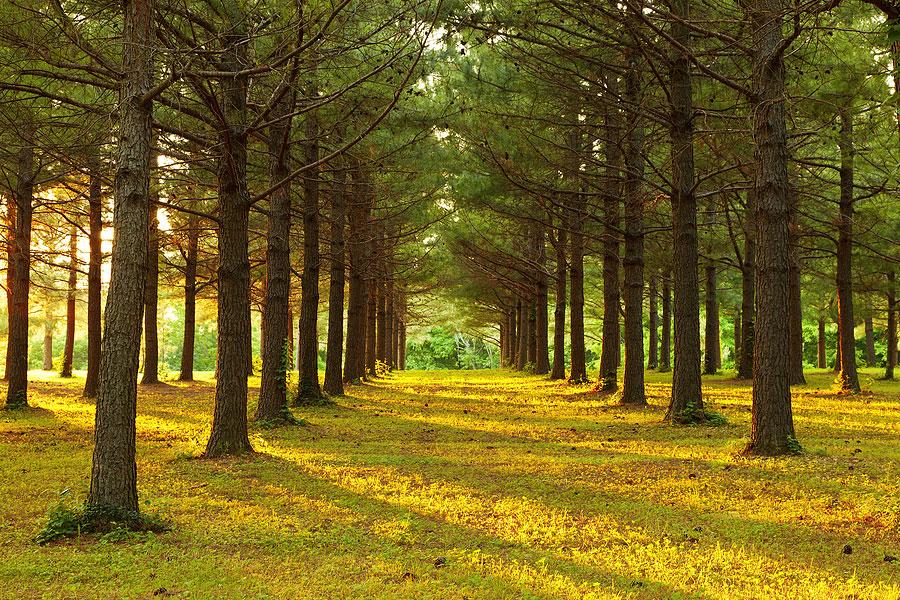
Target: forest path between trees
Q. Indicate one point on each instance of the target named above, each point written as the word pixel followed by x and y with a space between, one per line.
pixel 487 484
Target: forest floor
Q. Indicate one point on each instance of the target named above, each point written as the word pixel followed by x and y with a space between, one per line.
pixel 468 485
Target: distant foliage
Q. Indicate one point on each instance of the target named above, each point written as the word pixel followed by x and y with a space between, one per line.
pixel 445 349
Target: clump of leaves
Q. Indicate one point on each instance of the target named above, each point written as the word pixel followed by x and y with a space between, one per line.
pixel 694 415
pixel 793 445
pixel 113 523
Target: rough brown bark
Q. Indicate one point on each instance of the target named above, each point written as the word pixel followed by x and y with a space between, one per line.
pixel 541 339
pixel 558 371
pixel 114 470
pixel 653 323
pixel 48 342
pixel 95 282
pixel 633 379
pixel 609 349
pixel 849 377
pixel 577 365
pixel 748 291
pixel 795 313
pixel 891 333
pixel 371 329
pixel 389 322
pixel 870 342
pixel 334 377
pixel 151 299
pixel 190 301
pixel 772 424
pixel 822 361
pixel 354 363
pixel 401 344
pixel 711 335
pixel 273 401
pixel 17 342
pixel 665 346
pixel 69 348
pixel 737 337
pixel 524 331
pixel 10 252
pixel 229 429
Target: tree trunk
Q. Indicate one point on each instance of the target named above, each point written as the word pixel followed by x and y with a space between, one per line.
pixel 609 350
pixel 308 390
pixel 795 312
pixel 541 339
pixel 748 291
pixel 401 345
pixel 151 298
pixel 711 336
pixel 95 281
pixel 524 330
pixel 772 424
pixel 891 333
pixel 686 404
pixel 10 254
pixel 559 311
pixel 389 322
pixel 17 342
pixel 849 378
pixel 229 429
pixel 737 337
pixel 822 361
pixel 633 380
pixel 665 347
pixel 653 359
pixel 354 363
pixel 273 394
pixel 577 368
pixel 114 470
pixel 371 329
pixel 190 301
pixel 870 342
pixel 334 377
pixel 69 349
pixel 48 342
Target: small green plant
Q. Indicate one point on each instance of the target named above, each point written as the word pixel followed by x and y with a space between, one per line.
pixel 113 523
pixel 793 445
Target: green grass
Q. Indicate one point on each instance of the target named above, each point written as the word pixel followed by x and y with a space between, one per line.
pixel 468 485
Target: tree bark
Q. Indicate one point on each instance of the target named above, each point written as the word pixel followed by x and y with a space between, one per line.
pixel 558 370
pixel 665 347
pixel 48 342
pixel 334 377
pixel 633 379
pixel 870 342
pixel 151 298
pixel 772 424
pixel 524 331
pixel 114 470
pixel 229 429
pixel 17 342
pixel 737 337
pixel 95 281
pixel 849 378
pixel 711 336
pixel 273 394
pixel 653 359
pixel 354 363
pixel 748 291
pixel 10 253
pixel 578 367
pixel 822 361
pixel 795 312
pixel 69 348
pixel 609 349
pixel 891 333
pixel 190 302
pixel 541 339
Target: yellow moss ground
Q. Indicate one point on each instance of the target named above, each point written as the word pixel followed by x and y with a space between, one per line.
pixel 469 485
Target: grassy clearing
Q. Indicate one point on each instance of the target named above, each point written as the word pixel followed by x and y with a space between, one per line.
pixel 469 484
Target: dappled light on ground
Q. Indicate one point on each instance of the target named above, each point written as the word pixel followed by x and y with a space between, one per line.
pixel 475 484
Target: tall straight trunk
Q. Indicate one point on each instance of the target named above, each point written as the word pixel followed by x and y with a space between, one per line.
pixel 665 346
pixel 891 333
pixel 524 331
pixel 381 330
pixel 10 253
pixel 737 337
pixel 389 322
pixel 653 359
pixel 69 349
pixel 229 428
pixel 541 340
pixel 401 346
pixel 151 298
pixel 686 404
pixel 870 342
pixel 772 424
pixel 513 338
pixel 559 311
pixel 334 377
pixel 17 342
pixel 190 302
pixel 609 350
pixel 822 362
pixel 371 330
pixel 748 291
pixel 795 310
pixel 578 366
pixel 837 349
pixel 48 342
pixel 308 390
pixel 633 379
pixel 532 332
pixel 113 468
pixel 354 367
pixel 273 395
pixel 711 335
pixel 849 378
pixel 95 282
